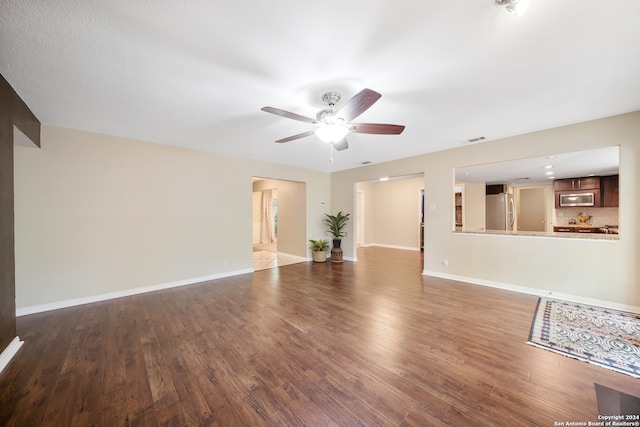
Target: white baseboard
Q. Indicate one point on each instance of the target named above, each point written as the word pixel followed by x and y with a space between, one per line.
pixel 125 293
pixel 9 352
pixel 535 291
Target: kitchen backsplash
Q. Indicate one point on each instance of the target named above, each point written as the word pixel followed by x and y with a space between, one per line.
pixel 599 216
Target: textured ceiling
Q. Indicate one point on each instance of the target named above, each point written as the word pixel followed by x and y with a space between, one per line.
pixel 196 73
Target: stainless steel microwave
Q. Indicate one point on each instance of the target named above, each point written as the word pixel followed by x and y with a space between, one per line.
pixel 578 199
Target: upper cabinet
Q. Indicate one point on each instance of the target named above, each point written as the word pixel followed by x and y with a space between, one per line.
pixel 577 184
pixel 574 192
pixel 610 191
pixel 592 191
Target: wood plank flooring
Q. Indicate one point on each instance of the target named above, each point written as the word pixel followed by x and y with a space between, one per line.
pixel 371 343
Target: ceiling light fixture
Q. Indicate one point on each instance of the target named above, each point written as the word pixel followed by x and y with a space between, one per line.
pixel 517 7
pixel 332 133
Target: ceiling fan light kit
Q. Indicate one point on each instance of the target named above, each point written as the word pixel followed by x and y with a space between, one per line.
pixel 333 125
pixel 517 7
pixel 332 133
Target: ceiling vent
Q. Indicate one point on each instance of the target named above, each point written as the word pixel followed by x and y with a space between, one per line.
pixel 473 140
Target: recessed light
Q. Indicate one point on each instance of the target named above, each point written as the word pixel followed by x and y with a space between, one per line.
pixel 548 167
pixel 548 173
pixel 551 157
pixel 552 177
pixel 384 178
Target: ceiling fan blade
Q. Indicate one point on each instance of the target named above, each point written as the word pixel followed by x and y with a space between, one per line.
pixel 377 128
pixel 341 145
pixel 298 136
pixel 289 115
pixel 358 104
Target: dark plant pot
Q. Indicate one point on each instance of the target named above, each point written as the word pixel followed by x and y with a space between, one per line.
pixel 336 251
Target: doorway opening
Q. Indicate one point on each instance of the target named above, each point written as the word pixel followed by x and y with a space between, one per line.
pixel 279 223
pixel 390 213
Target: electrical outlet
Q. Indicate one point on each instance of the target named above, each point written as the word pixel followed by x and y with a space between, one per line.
pixel 445 262
pixel 226 262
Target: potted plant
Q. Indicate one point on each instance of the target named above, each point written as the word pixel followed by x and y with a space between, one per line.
pixel 336 224
pixel 319 250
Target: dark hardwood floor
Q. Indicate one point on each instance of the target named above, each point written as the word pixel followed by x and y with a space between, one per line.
pixel 371 343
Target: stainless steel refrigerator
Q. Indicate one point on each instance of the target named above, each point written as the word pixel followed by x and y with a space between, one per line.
pixel 500 212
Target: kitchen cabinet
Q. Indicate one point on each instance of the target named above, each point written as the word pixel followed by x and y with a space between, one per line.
pixel 570 186
pixel 575 229
pixel 610 191
pixel 496 189
pixel 577 184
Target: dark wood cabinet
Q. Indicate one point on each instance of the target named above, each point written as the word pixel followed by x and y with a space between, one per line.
pixel 577 184
pixel 576 229
pixel 563 229
pixel 585 185
pixel 610 191
pixel 496 189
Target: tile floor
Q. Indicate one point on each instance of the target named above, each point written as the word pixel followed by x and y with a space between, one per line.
pixel 266 256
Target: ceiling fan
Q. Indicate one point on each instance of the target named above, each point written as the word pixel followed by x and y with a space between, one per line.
pixel 333 125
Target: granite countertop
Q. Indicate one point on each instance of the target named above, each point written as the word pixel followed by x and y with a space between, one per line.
pixel 568 235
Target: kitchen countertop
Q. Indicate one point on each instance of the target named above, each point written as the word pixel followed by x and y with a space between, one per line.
pixel 587 236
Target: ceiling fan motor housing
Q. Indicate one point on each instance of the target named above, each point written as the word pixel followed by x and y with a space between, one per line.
pixel 331 98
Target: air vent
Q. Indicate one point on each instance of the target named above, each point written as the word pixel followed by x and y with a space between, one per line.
pixel 473 140
pixel 366 163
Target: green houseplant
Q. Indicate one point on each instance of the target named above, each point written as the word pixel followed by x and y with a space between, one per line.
pixel 319 250
pixel 336 224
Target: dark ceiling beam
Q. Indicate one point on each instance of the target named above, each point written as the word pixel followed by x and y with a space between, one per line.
pixel 13 112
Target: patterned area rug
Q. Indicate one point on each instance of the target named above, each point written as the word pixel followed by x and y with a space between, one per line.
pixel 604 337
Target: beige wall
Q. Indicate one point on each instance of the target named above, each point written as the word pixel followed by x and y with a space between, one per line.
pixel 97 214
pixel 473 206
pixel 392 210
pixel 587 269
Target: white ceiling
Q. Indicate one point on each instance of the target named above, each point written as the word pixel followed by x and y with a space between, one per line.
pixel 196 73
pixel 543 170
